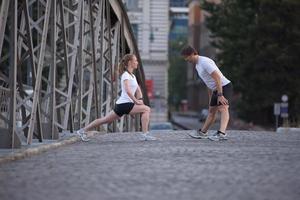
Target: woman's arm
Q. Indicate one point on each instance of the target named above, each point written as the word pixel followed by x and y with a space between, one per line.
pixel 139 94
pixel 135 100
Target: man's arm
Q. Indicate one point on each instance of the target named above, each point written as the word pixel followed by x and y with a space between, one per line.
pixel 216 76
pixel 209 95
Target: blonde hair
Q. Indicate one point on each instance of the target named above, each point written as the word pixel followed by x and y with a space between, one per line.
pixel 124 63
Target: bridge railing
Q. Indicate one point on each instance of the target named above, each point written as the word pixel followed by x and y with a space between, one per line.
pixel 59 66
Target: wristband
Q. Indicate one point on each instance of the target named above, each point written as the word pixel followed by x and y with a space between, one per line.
pixel 220 94
pixel 141 98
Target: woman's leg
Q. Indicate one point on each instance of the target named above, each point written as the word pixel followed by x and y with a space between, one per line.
pixel 104 120
pixel 145 110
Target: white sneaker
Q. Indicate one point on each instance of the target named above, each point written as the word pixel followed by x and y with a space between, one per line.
pixel 82 135
pixel 147 137
pixel 223 136
pixel 218 136
pixel 214 137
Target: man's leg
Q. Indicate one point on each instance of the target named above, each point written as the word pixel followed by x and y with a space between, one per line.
pixel 210 119
pixel 220 134
pixel 224 110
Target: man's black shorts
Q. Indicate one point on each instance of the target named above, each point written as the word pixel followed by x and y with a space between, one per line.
pixel 227 93
pixel 123 108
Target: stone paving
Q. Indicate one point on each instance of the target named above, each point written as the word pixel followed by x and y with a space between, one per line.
pixel 250 165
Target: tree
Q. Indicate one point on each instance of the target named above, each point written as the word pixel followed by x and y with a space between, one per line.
pixel 177 73
pixel 258 42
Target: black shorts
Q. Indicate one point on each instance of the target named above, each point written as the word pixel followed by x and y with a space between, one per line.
pixel 227 93
pixel 123 108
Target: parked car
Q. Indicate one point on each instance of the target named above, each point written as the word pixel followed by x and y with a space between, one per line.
pixel 161 126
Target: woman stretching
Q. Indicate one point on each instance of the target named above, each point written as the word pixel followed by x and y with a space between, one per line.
pixel 130 101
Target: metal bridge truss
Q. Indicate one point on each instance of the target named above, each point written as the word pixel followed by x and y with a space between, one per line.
pixel 59 66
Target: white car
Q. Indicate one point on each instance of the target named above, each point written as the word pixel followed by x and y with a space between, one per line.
pixel 161 126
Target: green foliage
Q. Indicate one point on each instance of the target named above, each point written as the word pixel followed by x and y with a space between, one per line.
pixel 177 73
pixel 259 41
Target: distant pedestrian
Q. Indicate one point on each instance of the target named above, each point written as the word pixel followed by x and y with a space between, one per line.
pixel 219 92
pixel 130 101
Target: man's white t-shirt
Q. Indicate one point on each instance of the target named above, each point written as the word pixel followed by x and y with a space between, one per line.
pixel 205 67
pixel 124 98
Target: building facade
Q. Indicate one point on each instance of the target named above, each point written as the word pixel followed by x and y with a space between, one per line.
pixel 178 19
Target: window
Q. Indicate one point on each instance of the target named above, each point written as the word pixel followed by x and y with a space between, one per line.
pixel 131 5
pixel 178 3
pixel 135 31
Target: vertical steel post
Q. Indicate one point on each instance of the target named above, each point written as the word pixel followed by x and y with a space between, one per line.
pixel 13 72
pixel 3 19
pixel 39 73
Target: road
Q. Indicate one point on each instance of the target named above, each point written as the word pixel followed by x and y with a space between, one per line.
pixel 250 165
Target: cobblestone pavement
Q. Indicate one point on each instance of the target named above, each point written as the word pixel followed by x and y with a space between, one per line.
pixel 250 165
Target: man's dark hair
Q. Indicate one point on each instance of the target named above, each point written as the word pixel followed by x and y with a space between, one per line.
pixel 188 50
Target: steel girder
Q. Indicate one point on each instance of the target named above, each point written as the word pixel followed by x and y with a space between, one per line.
pixel 58 66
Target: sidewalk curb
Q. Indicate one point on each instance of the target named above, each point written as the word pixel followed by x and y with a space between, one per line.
pixel 287 130
pixel 43 148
